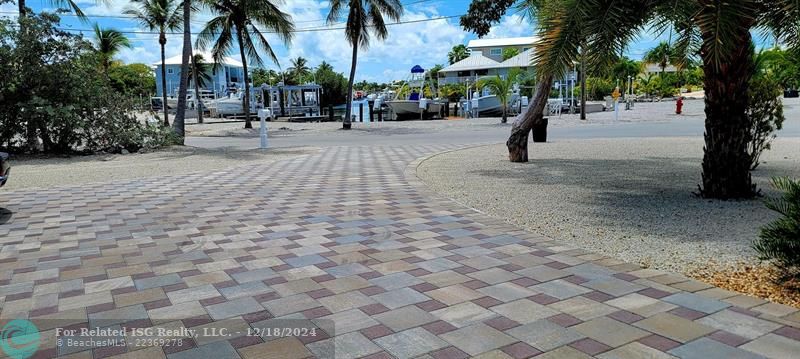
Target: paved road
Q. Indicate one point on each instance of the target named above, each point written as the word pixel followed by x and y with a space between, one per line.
pixel 347 255
pixel 388 134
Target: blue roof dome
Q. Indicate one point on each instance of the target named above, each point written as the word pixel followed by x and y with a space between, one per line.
pixel 417 70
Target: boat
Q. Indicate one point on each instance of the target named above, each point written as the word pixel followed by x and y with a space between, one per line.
pixel 415 106
pixel 486 104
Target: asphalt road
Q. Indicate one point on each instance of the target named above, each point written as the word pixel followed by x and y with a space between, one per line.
pixel 363 134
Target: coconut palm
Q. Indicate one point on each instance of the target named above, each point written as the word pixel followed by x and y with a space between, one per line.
pixel 501 87
pixel 662 55
pixel 243 23
pixel 61 4
pixel 202 76
pixel 299 69
pixel 183 84
pixel 108 43
pixel 458 53
pixel 199 72
pixel 362 16
pixel 720 29
pixel 161 16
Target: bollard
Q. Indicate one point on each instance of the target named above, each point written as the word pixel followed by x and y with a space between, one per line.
pixel 330 112
pixel 263 133
pixel 370 104
pixel 361 112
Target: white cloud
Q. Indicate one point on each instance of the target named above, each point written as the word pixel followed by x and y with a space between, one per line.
pixel 511 26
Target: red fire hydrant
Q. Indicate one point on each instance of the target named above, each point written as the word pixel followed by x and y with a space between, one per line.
pixel 679 106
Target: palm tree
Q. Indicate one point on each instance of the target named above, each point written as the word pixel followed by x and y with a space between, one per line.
pixel 662 55
pixel 501 87
pixel 720 29
pixel 242 22
pixel 183 85
pixel 108 43
pixel 458 53
pixel 299 69
pixel 66 4
pixel 362 15
pixel 202 76
pixel 161 16
pixel 199 73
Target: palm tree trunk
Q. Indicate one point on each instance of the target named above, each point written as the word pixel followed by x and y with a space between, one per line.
pixel 583 86
pixel 22 8
pixel 348 112
pixel 179 124
pixel 198 99
pixel 163 41
pixel 726 162
pixel 505 115
pixel 246 94
pixel 518 141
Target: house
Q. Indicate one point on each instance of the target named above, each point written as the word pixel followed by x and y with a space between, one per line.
pixel 478 65
pixel 486 59
pixel 228 74
pixel 656 69
pixel 493 48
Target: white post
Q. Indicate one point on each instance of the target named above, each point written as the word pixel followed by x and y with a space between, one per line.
pixel 616 110
pixel 263 132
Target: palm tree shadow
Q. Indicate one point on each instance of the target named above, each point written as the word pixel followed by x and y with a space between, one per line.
pixel 648 196
pixel 5 215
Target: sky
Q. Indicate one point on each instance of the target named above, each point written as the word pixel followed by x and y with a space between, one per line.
pixel 424 43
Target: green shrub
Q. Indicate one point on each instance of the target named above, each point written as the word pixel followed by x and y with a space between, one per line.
pixel 779 241
pixel 765 113
pixel 53 99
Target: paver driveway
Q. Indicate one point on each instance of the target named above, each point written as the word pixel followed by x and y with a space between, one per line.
pixel 349 251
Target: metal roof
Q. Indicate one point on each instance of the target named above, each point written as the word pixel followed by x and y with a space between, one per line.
pixel 522 60
pixel 511 41
pixel 476 61
pixel 177 60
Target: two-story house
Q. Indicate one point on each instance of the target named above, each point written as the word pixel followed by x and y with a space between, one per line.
pixel 228 74
pixel 493 48
pixel 486 59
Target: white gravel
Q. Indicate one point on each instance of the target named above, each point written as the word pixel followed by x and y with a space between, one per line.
pixel 627 198
pixel 58 171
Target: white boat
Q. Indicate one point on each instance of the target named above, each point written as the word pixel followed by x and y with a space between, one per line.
pixel 414 106
pixel 486 104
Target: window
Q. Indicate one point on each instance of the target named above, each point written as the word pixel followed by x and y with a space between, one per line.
pixel 525 49
pixel 170 71
pixel 496 52
pixel 481 72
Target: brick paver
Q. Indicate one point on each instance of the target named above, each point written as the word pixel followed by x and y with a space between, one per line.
pixel 349 245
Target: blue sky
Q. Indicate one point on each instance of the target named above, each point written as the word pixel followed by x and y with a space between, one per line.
pixel 424 43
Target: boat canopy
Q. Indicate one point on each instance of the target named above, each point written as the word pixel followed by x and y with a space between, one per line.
pixel 417 70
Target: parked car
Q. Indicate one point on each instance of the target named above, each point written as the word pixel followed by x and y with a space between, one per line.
pixel 5 168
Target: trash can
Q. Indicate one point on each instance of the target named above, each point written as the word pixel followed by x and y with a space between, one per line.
pixel 790 94
pixel 540 131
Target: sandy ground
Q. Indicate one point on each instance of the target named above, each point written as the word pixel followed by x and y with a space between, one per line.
pixel 627 198
pixel 56 171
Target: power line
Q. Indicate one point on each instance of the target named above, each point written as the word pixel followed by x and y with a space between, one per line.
pixel 133 18
pixel 312 29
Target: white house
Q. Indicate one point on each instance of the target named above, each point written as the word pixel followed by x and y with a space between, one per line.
pixel 493 48
pixel 478 65
pixel 486 59
pixel 228 74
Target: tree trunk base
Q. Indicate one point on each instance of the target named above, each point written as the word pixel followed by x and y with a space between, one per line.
pixel 518 146
pixel 346 125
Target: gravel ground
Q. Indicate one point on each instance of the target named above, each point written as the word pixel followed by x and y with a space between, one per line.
pixel 627 198
pixel 56 171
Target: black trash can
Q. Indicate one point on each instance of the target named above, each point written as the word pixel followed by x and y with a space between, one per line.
pixel 540 131
pixel 790 94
